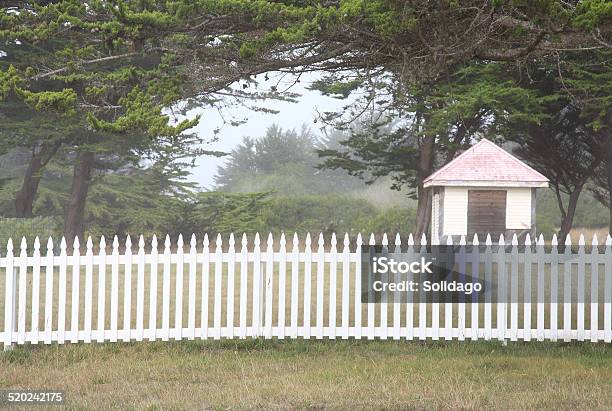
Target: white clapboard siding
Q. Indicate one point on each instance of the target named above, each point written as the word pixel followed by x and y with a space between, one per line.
pixel 308 291
pixel 518 208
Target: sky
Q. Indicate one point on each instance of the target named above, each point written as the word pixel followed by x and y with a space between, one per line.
pixel 290 116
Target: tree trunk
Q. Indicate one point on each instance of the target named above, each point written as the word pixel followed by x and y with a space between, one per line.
pixel 568 216
pixel 608 165
pixel 73 223
pixel 607 130
pixel 426 160
pixel 24 200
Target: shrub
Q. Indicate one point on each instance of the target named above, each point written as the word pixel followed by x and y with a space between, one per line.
pixel 16 228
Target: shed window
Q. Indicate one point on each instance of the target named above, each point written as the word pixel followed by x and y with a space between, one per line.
pixel 486 212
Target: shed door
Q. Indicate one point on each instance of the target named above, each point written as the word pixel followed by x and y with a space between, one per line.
pixel 486 212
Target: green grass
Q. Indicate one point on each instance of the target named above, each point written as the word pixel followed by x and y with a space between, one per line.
pixel 317 374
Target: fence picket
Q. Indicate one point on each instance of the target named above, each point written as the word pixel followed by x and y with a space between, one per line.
pixel 269 285
pixel 87 321
pixel 448 306
pixel 580 291
pixel 307 285
pixel 23 282
pixel 282 286
pixel 608 291
pixel 191 310
pixel 231 266
pixel 256 287
pixel 475 307
pixel 514 289
pixel 540 253
pixel 218 286
pixel 153 290
pixel 23 326
pixel 422 302
pixel 527 291
pixel 49 273
pixel 127 289
pixel 371 312
pixel 295 273
pixel 178 299
pixel 165 334
pixel 76 275
pixel 462 274
pixel 9 294
pixel 384 307
pixel 243 286
pixel 140 289
pixel 488 280
pixel 114 290
pixel 358 287
pixel 435 306
pixel 333 278
pixel 61 307
pixel 554 286
pixel 594 289
pixel 346 288
pixel 410 296
pixel 567 289
pixel 101 290
pixel 35 290
pixel 397 295
pixel 206 284
pixel 320 285
pixel 501 289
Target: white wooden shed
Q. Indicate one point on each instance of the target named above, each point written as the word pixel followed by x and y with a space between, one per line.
pixel 484 190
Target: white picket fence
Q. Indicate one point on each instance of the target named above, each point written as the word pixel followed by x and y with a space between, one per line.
pixel 265 290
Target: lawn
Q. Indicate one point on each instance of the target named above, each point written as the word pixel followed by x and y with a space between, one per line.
pixel 317 374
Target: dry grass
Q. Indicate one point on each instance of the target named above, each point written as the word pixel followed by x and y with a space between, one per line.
pixel 588 234
pixel 317 374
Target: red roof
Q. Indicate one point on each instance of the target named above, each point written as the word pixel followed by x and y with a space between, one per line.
pixel 486 164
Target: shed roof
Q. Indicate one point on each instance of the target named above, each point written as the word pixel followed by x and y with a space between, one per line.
pixel 486 165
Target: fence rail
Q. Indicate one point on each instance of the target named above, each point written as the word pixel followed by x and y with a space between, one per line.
pixel 309 289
